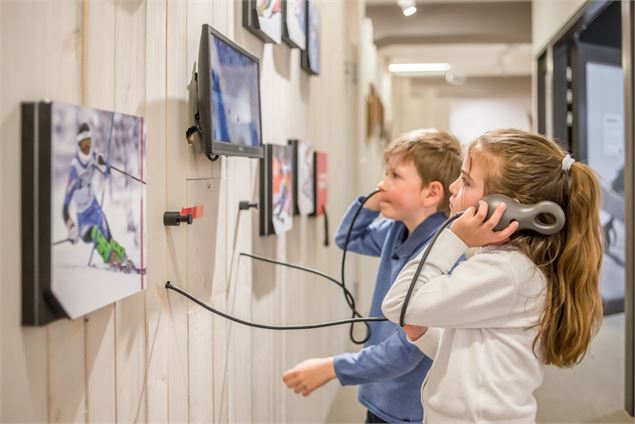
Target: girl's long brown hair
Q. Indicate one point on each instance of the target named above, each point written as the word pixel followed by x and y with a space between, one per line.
pixel 528 167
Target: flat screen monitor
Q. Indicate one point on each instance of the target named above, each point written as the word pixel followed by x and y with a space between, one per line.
pixel 228 97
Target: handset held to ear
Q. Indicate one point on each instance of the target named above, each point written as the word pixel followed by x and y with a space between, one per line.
pixel 528 216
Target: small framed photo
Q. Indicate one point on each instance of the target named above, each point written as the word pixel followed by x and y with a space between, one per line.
pixel 294 28
pixel 276 190
pixel 321 183
pixel 304 183
pixel 310 58
pixel 264 19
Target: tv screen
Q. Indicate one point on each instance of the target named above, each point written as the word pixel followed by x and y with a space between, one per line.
pixel 228 97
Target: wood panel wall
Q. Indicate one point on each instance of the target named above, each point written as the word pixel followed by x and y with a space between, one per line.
pixel 155 357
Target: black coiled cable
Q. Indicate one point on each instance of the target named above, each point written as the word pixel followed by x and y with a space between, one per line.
pixel 406 301
pixel 350 300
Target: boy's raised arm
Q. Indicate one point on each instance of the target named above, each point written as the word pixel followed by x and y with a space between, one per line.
pixel 367 236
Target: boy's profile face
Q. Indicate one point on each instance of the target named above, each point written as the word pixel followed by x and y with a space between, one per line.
pixel 469 188
pixel 401 190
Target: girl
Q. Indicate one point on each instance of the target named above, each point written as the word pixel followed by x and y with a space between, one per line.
pixel 522 301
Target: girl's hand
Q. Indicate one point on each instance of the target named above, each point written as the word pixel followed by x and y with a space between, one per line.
pixel 476 232
pixel 414 331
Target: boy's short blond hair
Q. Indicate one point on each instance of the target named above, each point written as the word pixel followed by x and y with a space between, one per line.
pixel 435 154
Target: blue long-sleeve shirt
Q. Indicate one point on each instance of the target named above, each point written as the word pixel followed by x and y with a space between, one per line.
pixel 389 369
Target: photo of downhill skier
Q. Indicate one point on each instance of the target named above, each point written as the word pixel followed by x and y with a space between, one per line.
pixel 97 215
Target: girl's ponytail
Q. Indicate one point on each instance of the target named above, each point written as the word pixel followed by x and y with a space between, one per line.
pixel 531 168
pixel 573 305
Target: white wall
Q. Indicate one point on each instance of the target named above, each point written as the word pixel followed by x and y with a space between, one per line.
pixel 154 356
pixel 467 110
pixel 548 17
pixel 469 118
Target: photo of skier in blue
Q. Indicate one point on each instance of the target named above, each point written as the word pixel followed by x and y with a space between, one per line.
pixel 91 224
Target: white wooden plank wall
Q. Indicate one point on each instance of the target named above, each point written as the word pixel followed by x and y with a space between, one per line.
pixel 155 357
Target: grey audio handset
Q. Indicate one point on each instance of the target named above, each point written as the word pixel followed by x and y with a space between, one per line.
pixel 529 217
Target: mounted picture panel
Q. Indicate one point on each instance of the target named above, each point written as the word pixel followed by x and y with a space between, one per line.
pixel 294 27
pixel 303 182
pixel 83 209
pixel 276 190
pixel 310 58
pixel 264 19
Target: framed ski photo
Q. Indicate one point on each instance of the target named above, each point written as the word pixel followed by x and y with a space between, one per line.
pixel 83 208
pixel 276 190
pixel 310 57
pixel 294 18
pixel 264 19
pixel 303 178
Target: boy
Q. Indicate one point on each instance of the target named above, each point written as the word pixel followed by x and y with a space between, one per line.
pixel 414 199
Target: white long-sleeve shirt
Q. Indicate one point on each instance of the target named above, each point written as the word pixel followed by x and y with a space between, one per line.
pixel 481 319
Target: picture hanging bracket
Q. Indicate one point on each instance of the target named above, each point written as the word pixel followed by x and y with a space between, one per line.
pixel 188 215
pixel 244 205
pixel 174 218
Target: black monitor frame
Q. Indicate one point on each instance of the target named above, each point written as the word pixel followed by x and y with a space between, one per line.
pixel 214 148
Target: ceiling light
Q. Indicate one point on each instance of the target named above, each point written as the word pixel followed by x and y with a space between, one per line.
pixel 409 11
pixel 418 67
pixel 408 7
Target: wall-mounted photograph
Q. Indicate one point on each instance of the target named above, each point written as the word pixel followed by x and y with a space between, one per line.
pixel 276 190
pixel 303 187
pixel 264 19
pixel 294 28
pixel 311 54
pixel 83 185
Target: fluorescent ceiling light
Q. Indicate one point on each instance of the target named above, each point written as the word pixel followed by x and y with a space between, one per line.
pixel 409 11
pixel 419 67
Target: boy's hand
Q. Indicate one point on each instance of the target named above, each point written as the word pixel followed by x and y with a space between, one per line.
pixel 373 203
pixel 414 332
pixel 309 375
pixel 476 232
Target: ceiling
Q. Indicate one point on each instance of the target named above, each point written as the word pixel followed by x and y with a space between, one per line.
pixel 470 60
pixel 478 38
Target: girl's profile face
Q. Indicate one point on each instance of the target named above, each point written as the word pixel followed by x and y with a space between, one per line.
pixel 469 188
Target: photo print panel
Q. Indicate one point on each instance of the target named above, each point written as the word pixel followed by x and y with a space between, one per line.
pixel 310 58
pixel 320 175
pixel 294 28
pixel 303 183
pixel 264 19
pixel 276 190
pixel 83 203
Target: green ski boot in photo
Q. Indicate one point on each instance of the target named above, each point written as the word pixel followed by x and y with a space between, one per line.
pixel 101 244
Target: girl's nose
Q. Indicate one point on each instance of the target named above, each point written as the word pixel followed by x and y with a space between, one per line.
pixel 453 187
